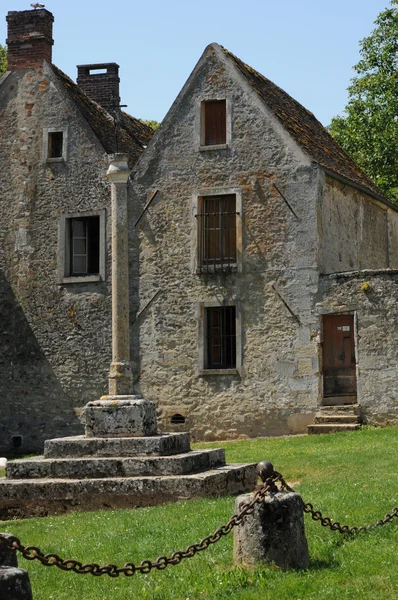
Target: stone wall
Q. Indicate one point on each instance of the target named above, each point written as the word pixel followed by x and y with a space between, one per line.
pixel 357 232
pixel 275 390
pixel 372 297
pixel 55 339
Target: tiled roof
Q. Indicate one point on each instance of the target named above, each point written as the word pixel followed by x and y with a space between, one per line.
pixel 305 129
pixel 133 135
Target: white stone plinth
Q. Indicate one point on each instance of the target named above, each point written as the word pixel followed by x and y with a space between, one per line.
pixel 120 416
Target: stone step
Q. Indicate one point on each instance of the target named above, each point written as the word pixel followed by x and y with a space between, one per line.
pixel 337 419
pixel 339 400
pixel 21 498
pixel 95 468
pixel 332 427
pixel 354 409
pixel 162 444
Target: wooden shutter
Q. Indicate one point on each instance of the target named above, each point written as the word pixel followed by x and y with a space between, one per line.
pixel 215 126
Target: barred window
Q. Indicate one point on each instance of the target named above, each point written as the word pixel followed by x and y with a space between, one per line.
pixel 221 338
pixel 217 230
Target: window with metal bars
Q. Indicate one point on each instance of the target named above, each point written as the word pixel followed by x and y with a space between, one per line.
pixel 84 245
pixel 217 231
pixel 221 338
pixel 214 122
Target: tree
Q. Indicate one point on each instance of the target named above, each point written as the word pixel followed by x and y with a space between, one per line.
pixel 152 124
pixel 3 59
pixel 369 131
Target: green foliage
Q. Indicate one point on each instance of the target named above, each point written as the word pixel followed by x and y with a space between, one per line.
pixel 3 59
pixel 350 477
pixel 151 123
pixel 369 131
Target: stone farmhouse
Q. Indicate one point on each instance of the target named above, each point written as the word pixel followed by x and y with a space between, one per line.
pixel 263 261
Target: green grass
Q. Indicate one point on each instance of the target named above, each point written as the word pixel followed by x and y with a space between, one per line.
pixel 351 477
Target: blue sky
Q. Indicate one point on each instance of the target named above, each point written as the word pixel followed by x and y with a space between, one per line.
pixel 307 47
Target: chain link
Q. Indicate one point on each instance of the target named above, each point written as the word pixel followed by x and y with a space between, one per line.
pixel 162 562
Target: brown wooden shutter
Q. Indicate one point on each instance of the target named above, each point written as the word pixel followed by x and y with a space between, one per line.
pixel 215 115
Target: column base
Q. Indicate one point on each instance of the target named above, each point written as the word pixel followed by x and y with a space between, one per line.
pixel 120 416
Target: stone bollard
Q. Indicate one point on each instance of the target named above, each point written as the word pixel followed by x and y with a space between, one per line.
pixel 14 582
pixel 273 533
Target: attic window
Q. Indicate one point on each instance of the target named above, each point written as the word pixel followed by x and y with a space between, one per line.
pixel 214 122
pixel 55 144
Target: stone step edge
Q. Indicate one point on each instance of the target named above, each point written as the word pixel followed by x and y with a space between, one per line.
pixel 162 444
pixel 325 418
pixel 194 461
pixel 332 427
pixel 4 482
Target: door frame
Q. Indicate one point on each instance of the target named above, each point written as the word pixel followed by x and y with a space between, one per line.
pixel 332 312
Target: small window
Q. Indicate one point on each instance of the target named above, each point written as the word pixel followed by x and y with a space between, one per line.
pixel 84 246
pixel 217 231
pixel 81 243
pixel 220 344
pixel 214 122
pixel 55 144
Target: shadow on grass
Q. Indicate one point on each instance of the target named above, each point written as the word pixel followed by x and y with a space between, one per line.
pixel 318 564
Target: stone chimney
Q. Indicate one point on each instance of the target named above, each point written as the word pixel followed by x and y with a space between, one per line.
pixel 29 38
pixel 101 83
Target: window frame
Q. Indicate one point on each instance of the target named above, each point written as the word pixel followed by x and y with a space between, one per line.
pixel 64 247
pixel 200 124
pixel 203 369
pixel 197 209
pixel 46 132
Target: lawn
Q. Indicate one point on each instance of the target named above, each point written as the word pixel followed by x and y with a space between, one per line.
pixel 351 477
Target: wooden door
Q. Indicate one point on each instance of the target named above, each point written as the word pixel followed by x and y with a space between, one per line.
pixel 339 367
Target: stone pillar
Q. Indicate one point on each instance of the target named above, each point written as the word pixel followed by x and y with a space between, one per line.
pixel 120 376
pixel 14 582
pixel 273 533
pixel 120 414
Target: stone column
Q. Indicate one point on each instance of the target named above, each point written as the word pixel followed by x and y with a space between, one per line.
pixel 120 376
pixel 121 413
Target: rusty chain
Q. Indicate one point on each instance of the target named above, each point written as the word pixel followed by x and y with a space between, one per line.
pixel 162 562
pixel 129 569
pixel 316 515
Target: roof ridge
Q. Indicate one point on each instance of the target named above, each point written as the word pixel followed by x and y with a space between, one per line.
pixel 306 129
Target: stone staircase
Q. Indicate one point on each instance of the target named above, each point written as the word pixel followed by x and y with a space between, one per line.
pixel 336 417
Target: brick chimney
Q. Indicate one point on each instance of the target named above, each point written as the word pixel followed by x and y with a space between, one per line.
pixel 30 38
pixel 101 83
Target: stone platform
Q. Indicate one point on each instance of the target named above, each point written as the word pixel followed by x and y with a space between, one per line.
pixel 89 473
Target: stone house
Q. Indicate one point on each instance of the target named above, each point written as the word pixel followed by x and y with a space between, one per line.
pixel 55 303
pixel 265 264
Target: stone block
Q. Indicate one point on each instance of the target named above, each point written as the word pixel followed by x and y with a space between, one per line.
pixel 120 416
pixel 14 584
pixel 273 533
pixel 162 444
